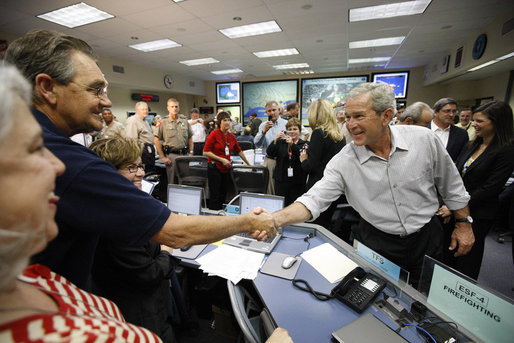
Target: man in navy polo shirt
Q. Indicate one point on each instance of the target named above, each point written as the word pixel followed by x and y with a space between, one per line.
pixel 70 92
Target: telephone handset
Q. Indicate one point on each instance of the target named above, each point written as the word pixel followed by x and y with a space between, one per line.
pixel 358 289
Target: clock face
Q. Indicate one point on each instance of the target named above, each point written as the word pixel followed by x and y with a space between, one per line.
pixel 479 46
pixel 168 81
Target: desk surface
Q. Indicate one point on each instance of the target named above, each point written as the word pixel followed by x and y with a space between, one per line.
pixel 306 318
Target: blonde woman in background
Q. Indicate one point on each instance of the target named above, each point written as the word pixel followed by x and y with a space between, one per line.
pixel 326 141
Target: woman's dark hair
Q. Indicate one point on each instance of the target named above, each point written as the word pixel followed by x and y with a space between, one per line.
pixel 222 115
pixel 500 114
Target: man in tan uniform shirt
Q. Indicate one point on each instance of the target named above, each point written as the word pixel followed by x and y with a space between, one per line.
pixel 111 127
pixel 137 128
pixel 177 137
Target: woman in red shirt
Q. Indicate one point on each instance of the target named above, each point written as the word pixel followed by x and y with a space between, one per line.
pixel 218 148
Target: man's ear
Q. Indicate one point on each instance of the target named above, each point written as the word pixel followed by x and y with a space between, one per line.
pixel 45 88
pixel 387 115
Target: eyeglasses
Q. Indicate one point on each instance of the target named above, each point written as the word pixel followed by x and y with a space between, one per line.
pixel 134 167
pixel 100 92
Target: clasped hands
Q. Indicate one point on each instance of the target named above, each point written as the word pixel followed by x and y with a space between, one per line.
pixel 262 224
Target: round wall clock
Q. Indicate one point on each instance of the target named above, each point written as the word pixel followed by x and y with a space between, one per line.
pixel 168 81
pixel 479 46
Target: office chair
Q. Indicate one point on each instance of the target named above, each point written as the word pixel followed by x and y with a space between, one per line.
pixel 246 145
pixel 250 179
pixel 254 329
pixel 192 171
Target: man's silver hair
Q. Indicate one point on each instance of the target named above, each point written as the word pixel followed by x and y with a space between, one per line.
pixel 414 111
pixel 382 96
pixel 14 242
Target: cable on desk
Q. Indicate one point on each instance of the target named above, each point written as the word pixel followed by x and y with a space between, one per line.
pixel 305 239
pixel 307 288
pixel 420 328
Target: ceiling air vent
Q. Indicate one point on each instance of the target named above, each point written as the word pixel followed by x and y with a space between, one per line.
pixel 118 69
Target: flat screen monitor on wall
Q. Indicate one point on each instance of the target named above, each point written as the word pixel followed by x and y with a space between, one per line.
pixel 334 89
pixel 397 80
pixel 228 93
pixel 257 94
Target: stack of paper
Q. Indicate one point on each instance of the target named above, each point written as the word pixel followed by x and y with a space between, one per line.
pixel 231 263
pixel 329 261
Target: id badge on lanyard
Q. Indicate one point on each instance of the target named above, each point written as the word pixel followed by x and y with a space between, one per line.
pixel 290 169
pixel 227 152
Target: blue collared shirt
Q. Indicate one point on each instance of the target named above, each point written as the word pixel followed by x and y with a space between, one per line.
pixel 262 141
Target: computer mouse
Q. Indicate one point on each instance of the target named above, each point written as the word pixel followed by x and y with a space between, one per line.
pixel 186 248
pixel 289 261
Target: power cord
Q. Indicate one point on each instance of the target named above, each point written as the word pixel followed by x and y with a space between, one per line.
pixel 420 328
pixel 307 288
pixel 305 239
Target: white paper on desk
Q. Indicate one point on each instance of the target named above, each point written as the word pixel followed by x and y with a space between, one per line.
pixel 231 263
pixel 329 261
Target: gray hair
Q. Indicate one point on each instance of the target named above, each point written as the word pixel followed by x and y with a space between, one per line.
pixel 140 103
pixel 12 83
pixel 271 103
pixel 414 111
pixel 382 96
pixel 46 52
pixel 443 102
pixel 14 242
pixel 194 110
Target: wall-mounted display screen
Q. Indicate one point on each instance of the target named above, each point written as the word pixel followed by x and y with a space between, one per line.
pixel 228 93
pixel 334 89
pixel 397 81
pixel 235 111
pixel 256 94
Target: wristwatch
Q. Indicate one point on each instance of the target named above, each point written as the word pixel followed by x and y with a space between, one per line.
pixel 467 219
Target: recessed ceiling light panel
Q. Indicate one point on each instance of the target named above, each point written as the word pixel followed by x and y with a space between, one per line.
pixel 275 53
pixel 155 45
pixel 76 15
pixel 251 30
pixel 227 71
pixel 376 42
pixel 368 60
pixel 199 61
pixel 388 11
pixel 292 66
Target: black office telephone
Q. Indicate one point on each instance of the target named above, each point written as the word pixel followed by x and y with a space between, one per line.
pixel 358 289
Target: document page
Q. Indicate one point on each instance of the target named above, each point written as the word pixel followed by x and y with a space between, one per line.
pixel 329 262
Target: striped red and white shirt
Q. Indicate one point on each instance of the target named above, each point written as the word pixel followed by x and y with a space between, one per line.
pixel 82 316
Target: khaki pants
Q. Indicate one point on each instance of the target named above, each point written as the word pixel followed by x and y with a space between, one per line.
pixel 270 164
pixel 170 170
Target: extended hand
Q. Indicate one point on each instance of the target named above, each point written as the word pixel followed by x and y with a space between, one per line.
pixel 463 237
pixel 280 335
pixel 445 213
pixel 166 161
pixel 263 225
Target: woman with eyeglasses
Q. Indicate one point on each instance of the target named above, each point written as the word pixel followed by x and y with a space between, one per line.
pixel 485 165
pixel 137 279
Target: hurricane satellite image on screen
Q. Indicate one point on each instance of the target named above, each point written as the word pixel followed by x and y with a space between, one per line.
pixel 228 92
pixel 256 94
pixel 397 82
pixel 333 89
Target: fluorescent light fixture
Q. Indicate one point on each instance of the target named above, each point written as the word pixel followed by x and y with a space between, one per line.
pixel 376 42
pixel 368 60
pixel 251 30
pixel 75 15
pixel 486 64
pixel 275 53
pixel 299 72
pixel 155 45
pixel 388 11
pixel 199 61
pixel 227 71
pixel 504 57
pixel 178 0
pixel 292 66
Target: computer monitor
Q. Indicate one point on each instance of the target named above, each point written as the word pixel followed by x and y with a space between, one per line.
pixel 249 201
pixel 185 200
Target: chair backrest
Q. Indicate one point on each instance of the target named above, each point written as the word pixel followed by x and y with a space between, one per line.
pixel 238 300
pixel 252 179
pixel 192 171
pixel 246 145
